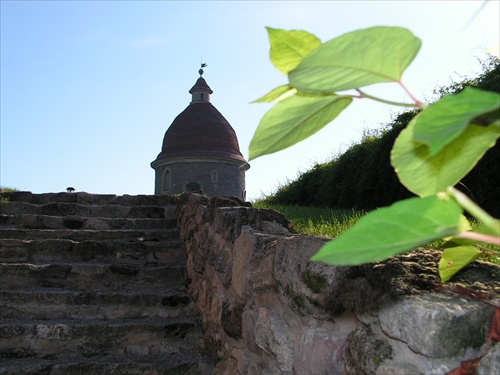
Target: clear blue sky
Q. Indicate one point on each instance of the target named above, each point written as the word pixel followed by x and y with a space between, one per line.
pixel 89 88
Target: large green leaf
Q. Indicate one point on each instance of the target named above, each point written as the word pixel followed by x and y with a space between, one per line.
pixel 288 48
pixel 356 59
pixel 424 174
pixel 456 258
pixel 392 230
pixel 277 94
pixel 294 119
pixel 446 119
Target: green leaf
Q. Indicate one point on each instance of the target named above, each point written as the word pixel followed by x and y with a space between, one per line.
pixel 424 174
pixel 481 228
pixel 392 230
pixel 456 258
pixel 277 94
pixel 464 226
pixel 446 119
pixel 356 59
pixel 294 119
pixel 488 119
pixel 288 48
pixel 493 230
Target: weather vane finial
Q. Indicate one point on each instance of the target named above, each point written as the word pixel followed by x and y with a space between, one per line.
pixel 201 71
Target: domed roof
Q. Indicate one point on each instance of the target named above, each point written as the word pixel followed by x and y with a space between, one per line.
pixel 200 131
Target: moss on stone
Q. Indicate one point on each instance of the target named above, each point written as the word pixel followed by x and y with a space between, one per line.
pixel 298 302
pixel 314 281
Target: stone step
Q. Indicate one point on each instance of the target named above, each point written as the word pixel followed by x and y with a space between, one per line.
pixel 85 210
pixel 153 235
pixel 90 276
pixel 94 284
pixel 91 199
pixel 185 363
pixel 143 336
pixel 34 221
pixel 40 303
pixel 166 252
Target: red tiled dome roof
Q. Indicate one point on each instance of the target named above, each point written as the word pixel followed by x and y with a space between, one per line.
pixel 200 131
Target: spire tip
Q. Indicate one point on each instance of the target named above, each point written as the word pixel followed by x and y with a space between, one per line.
pixel 201 71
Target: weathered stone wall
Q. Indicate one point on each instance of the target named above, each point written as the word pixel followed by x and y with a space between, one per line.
pixel 266 309
pixel 229 179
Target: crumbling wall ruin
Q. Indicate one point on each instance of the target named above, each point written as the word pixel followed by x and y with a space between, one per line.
pixel 266 309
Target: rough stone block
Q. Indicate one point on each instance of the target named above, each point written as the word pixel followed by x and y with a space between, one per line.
pixel 273 336
pixel 490 364
pixel 437 325
pixel 253 262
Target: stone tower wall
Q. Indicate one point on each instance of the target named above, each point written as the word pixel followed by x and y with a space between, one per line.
pixel 217 177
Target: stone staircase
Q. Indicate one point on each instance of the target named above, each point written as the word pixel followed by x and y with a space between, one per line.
pixel 94 284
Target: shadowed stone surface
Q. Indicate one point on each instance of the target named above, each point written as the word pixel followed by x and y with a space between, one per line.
pixel 125 285
pixel 267 309
pixel 95 285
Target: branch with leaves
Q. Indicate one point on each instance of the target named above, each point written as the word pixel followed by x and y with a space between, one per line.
pixel 436 150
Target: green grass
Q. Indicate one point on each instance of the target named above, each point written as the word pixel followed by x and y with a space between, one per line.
pixel 315 220
pixel 329 222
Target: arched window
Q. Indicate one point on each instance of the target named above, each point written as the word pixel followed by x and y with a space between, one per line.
pixel 193 187
pixel 167 180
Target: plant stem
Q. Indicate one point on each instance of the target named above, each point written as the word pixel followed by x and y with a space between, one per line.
pixel 363 94
pixel 467 204
pixel 417 102
pixel 479 237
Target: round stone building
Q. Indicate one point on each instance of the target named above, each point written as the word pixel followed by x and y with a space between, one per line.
pixel 200 152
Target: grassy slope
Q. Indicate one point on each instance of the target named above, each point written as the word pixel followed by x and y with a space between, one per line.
pixel 315 220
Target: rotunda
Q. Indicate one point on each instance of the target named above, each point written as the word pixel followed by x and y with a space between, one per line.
pixel 200 151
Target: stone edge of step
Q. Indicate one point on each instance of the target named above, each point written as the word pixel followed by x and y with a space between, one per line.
pixel 155 361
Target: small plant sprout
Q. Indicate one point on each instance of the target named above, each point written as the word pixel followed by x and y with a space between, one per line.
pixel 442 143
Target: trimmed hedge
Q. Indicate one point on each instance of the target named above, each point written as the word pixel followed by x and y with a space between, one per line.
pixel 363 178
